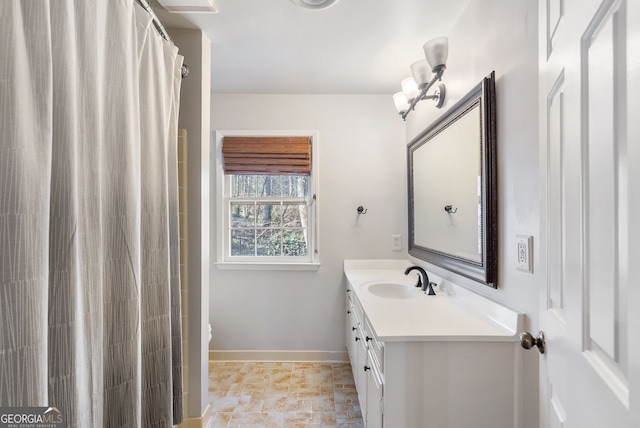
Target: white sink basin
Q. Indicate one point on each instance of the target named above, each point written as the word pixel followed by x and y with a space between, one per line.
pixel 390 290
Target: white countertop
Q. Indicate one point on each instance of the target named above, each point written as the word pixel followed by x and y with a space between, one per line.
pixel 459 316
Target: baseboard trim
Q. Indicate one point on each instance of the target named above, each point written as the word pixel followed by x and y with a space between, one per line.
pixel 201 422
pixel 308 356
pixel 207 416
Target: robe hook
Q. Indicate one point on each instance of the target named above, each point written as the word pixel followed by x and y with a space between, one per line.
pixel 361 210
pixel 450 210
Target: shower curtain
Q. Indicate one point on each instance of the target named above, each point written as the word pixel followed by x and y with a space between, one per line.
pixel 89 269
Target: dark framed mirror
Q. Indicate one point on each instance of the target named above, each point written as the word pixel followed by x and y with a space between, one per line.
pixel 453 206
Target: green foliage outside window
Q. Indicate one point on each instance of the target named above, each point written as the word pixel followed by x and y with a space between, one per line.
pixel 269 215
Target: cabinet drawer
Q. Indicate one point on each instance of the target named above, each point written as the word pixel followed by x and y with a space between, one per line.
pixel 350 310
pixel 375 345
pixel 355 304
pixel 359 313
pixel 351 322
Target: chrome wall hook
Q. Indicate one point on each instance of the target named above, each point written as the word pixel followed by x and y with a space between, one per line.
pixel 450 210
pixel 361 210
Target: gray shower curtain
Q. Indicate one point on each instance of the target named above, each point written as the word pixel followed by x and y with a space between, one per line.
pixel 89 285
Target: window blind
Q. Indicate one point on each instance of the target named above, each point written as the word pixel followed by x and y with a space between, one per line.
pixel 267 155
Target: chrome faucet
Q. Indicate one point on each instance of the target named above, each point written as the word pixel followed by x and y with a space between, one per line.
pixel 423 280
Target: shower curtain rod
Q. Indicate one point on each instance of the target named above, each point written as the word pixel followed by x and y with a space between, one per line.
pixel 156 21
pixel 163 32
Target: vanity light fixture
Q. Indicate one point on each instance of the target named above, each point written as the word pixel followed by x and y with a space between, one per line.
pixel 415 88
pixel 314 4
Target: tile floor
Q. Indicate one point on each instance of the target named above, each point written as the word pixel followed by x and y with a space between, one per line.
pixel 283 394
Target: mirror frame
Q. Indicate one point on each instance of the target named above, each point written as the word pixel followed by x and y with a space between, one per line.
pixel 484 271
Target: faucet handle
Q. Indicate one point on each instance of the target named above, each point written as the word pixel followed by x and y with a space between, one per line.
pixel 419 284
pixel 428 290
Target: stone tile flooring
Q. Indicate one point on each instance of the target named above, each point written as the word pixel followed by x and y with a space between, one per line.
pixel 283 394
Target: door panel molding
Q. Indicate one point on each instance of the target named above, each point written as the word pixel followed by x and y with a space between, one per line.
pixel 605 197
pixel 557 415
pixel 555 164
pixel 555 12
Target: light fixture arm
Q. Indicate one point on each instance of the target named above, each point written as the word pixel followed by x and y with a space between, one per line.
pixel 423 93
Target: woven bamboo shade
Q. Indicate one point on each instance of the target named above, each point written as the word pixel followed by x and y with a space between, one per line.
pixel 267 155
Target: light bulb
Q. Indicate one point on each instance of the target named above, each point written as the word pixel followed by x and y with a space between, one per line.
pixel 400 101
pixel 421 72
pixel 410 89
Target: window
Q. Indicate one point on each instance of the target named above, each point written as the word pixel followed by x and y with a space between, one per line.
pixel 268 216
pixel 266 200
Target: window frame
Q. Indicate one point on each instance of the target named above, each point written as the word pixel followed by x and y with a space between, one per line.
pixel 224 260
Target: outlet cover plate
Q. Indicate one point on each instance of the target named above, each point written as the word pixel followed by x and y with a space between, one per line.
pixel 396 242
pixel 524 260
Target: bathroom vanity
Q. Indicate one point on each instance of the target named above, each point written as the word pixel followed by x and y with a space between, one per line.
pixel 445 361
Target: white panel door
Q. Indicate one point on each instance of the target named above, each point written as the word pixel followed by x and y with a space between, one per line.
pixel 590 219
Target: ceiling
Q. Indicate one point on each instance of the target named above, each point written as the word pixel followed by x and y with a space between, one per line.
pixel 352 47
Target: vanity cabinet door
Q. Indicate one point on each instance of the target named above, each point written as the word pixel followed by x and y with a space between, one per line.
pixel 360 375
pixel 374 395
pixel 356 346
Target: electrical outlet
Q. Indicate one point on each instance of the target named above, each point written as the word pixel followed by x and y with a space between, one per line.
pixel 396 242
pixel 523 246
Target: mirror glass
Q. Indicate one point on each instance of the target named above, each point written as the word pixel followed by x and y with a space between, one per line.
pixel 452 194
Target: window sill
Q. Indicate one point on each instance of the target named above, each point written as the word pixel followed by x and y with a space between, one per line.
pixel 268 266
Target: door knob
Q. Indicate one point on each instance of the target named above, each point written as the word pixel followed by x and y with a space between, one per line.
pixel 527 341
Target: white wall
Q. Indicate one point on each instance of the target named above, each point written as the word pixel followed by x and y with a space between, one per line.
pixel 501 35
pixel 362 162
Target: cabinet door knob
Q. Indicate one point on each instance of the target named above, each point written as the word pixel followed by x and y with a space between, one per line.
pixel 348 290
pixel 348 312
pixel 357 338
pixel 367 368
pixel 368 338
pixel 527 341
pixel 354 328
